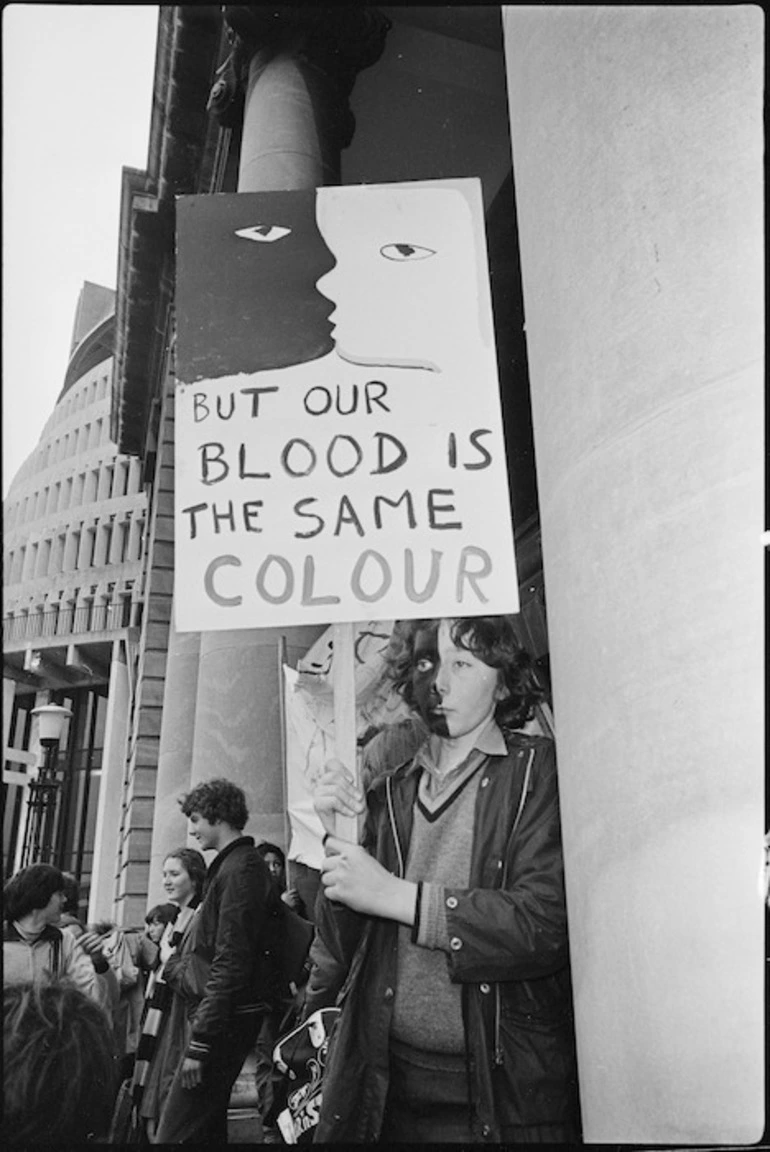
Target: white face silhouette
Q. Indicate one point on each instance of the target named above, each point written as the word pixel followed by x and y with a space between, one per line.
pixel 406 279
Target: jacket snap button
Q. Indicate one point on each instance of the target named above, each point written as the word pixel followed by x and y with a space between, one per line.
pixel 455 943
pixel 484 782
pixel 451 902
pixel 484 988
pixel 389 993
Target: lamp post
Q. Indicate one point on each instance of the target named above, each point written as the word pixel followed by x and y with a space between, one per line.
pixel 44 791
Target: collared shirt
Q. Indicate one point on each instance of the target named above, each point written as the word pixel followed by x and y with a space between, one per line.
pixel 490 742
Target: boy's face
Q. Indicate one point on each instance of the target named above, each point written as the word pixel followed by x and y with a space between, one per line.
pixel 54 908
pixel 454 691
pixel 204 831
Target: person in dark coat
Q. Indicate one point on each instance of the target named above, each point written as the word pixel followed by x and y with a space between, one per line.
pixel 226 970
pixel 443 936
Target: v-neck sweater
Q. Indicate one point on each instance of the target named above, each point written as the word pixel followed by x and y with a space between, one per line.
pixel 427 1012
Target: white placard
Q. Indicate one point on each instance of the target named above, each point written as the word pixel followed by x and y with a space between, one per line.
pixel 358 472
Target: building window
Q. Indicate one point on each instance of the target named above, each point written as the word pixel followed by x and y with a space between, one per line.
pixel 121 478
pixel 80 791
pixel 91 548
pixel 140 537
pixel 124 528
pixel 75 538
pixel 125 610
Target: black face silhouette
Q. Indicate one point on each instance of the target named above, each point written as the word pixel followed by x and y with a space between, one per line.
pixel 246 274
pixel 424 673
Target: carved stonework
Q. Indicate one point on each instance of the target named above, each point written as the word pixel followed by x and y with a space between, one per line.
pixel 226 96
pixel 335 42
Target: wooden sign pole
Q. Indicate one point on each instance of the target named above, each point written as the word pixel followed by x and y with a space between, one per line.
pixel 347 827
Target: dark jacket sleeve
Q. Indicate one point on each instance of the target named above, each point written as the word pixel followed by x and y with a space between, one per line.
pixel 338 934
pixel 519 931
pixel 241 922
pixel 328 970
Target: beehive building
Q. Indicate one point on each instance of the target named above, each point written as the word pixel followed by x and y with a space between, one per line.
pixel 72 609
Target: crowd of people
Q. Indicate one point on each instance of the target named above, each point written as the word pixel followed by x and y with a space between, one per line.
pixel 441 935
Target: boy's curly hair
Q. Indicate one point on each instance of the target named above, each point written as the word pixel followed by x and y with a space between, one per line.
pixel 60 1066
pixel 218 799
pixel 491 639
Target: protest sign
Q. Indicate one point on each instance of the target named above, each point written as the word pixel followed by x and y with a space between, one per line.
pixel 339 444
pixel 311 729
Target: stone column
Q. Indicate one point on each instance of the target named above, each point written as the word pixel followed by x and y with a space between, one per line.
pixel 116 543
pixel 101 550
pixel 134 476
pixel 637 145
pixel 108 811
pixel 70 550
pixel 104 481
pixel 175 755
pixel 298 68
pixel 84 549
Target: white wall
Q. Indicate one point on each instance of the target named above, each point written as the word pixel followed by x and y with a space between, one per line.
pixel 637 144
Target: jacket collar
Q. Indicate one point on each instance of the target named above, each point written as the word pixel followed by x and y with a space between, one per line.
pixel 225 852
pixel 11 932
pixel 489 742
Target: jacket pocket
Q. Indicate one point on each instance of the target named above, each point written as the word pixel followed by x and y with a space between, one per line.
pixel 540 1005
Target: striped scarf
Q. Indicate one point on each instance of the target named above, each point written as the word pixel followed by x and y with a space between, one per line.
pixel 156 1005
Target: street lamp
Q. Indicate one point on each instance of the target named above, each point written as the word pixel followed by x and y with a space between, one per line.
pixel 44 791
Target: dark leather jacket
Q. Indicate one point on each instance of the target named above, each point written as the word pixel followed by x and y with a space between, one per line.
pixel 227 965
pixel 512 962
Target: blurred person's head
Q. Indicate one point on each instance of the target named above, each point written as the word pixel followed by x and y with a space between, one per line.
pixel 157 918
pixel 275 859
pixel 39 888
pixel 184 871
pixel 59 1066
